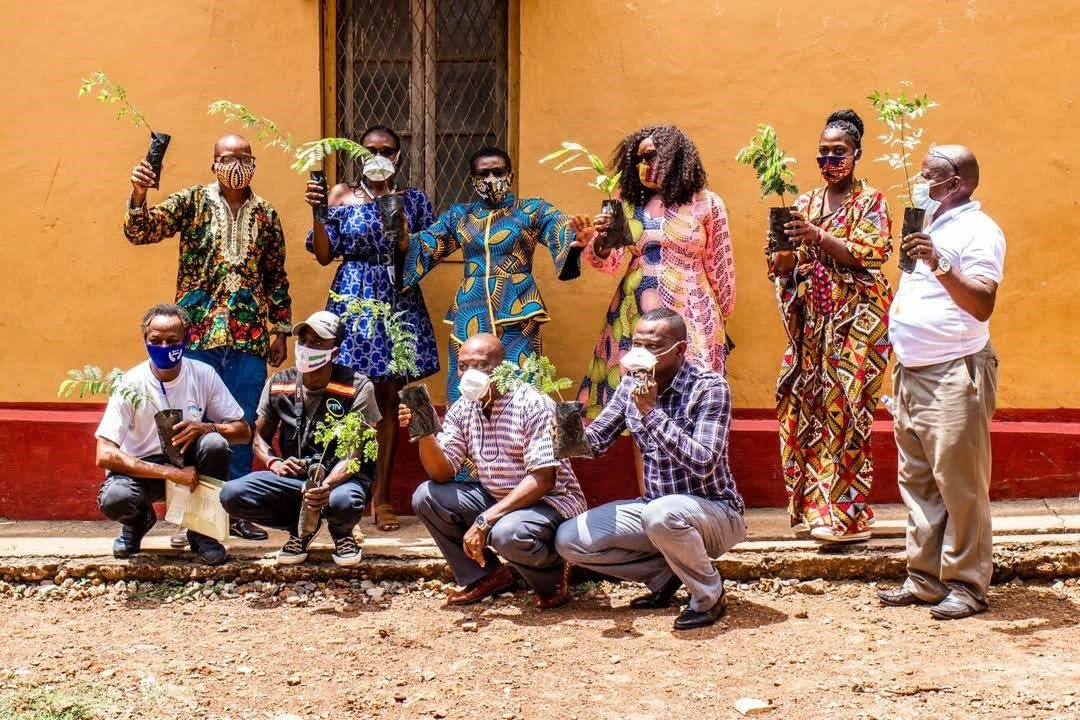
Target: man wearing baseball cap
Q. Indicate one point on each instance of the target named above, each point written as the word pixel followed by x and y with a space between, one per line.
pixel 294 402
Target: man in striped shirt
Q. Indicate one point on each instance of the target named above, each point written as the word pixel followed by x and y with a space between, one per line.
pixel 691 511
pixel 523 493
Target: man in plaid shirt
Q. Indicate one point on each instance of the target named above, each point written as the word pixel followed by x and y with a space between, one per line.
pixel 523 493
pixel 691 510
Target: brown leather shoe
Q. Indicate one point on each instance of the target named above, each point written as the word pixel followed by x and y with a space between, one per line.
pixel 561 596
pixel 487 585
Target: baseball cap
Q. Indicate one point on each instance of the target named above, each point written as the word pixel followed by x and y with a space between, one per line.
pixel 324 323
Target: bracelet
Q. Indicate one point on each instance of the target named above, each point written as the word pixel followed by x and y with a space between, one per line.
pixel 270 463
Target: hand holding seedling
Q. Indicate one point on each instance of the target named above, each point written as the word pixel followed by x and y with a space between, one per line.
pixel 315 195
pixel 782 262
pixel 288 467
pixel 142 179
pixel 189 430
pixel 919 246
pixel 404 415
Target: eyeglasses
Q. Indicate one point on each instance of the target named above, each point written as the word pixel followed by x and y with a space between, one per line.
pixel 934 152
pixel 245 160
pixel 386 152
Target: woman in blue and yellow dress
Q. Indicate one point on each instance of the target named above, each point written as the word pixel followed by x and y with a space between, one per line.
pixel 497 235
pixel 354 232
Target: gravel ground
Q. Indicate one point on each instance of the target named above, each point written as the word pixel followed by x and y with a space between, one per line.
pixel 76 650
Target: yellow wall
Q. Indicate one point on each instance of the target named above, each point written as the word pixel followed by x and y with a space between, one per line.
pixel 590 70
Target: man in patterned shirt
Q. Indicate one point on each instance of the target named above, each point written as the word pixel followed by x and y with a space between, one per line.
pixel 523 493
pixel 231 278
pixel 691 511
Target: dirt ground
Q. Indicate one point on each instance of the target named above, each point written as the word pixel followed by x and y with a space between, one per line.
pixel 814 650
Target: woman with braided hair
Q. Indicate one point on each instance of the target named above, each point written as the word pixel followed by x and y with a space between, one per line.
pixel 682 257
pixel 834 302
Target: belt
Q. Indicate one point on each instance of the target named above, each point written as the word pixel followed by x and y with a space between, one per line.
pixel 371 259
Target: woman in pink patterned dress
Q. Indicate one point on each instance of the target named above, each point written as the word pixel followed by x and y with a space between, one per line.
pixel 682 258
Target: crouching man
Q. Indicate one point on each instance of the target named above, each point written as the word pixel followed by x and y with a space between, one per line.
pixel 691 512
pixel 129 448
pixel 523 493
pixel 294 402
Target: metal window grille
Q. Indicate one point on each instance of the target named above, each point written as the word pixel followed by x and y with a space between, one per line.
pixel 436 72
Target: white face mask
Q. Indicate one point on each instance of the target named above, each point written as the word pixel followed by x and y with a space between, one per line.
pixel 638 359
pixel 310 359
pixel 378 168
pixel 474 384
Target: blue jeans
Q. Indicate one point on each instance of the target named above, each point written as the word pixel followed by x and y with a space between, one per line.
pixel 273 500
pixel 244 375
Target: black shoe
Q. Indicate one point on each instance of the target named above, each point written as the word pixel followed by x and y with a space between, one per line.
pixel 246 530
pixel 690 619
pixel 662 598
pixel 209 550
pixel 347 551
pixel 952 608
pixel 130 540
pixel 900 598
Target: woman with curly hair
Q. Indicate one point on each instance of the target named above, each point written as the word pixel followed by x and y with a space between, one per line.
pixel 834 302
pixel 682 257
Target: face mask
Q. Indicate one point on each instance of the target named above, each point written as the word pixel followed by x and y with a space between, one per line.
pixel 234 175
pixel 165 357
pixel 492 190
pixel 378 168
pixel 474 384
pixel 834 169
pixel 646 173
pixel 311 359
pixel 637 360
pixel 920 196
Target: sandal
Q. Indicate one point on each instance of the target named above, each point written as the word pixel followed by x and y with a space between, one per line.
pixel 385 518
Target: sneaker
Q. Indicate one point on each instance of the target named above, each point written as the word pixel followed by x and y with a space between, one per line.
pixel 130 540
pixel 209 550
pixel 178 540
pixel 347 552
pixel 295 550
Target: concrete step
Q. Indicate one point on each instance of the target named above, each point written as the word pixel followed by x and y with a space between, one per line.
pixel 1032 540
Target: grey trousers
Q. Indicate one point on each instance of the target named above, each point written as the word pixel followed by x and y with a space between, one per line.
pixel 653 541
pixel 524 538
pixel 942 428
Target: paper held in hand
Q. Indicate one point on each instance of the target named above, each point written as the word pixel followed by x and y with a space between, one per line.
pixel 200 510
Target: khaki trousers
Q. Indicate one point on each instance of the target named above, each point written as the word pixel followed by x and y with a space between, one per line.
pixel 942 427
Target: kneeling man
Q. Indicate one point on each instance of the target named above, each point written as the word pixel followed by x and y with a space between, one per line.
pixel 523 493
pixel 691 511
pixel 294 402
pixel 129 447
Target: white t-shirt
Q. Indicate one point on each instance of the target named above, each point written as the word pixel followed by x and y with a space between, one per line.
pixel 925 326
pixel 197 390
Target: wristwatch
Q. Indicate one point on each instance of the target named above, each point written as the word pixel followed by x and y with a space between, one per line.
pixel 482 523
pixel 943 266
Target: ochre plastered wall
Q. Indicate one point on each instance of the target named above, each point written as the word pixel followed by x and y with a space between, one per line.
pixel 590 71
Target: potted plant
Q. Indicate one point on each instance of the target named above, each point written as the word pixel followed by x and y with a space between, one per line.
pixel 899 113
pixel 90 381
pixel 539 372
pixel 307 155
pixel 620 233
pixel 350 437
pixel 111 93
pixel 403 341
pixel 770 163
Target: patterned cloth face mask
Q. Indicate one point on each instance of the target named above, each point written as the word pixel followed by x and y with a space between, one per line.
pixel 647 175
pixel 835 168
pixel 234 173
pixel 492 190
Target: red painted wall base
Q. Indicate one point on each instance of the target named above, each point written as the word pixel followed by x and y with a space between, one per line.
pixel 47 467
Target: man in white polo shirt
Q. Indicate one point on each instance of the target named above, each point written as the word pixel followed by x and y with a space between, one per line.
pixel 945 385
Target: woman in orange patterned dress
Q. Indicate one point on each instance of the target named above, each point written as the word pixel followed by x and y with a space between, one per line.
pixel 834 302
pixel 682 258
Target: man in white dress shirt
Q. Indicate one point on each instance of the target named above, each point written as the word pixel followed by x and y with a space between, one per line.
pixel 945 385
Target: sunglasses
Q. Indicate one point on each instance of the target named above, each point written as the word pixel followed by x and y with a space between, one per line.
pixel 245 160
pixel 386 152
pixel 935 153
pixel 831 160
pixel 493 172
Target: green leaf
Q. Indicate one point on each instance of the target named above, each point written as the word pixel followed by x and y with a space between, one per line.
pixel 552 156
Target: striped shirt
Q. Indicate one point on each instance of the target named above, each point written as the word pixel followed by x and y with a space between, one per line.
pixel 515 441
pixel 683 440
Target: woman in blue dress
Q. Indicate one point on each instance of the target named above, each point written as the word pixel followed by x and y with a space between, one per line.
pixel 354 232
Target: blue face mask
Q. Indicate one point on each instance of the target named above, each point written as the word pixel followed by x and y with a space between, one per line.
pixel 165 357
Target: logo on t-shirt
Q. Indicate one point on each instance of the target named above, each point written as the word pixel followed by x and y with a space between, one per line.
pixel 194 410
pixel 334 408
